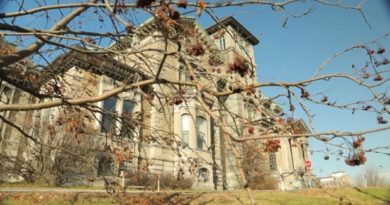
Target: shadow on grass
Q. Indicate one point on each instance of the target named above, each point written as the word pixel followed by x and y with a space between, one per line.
pixel 179 198
pixel 74 198
pixel 125 199
pixel 160 198
pixel 341 199
pixel 372 195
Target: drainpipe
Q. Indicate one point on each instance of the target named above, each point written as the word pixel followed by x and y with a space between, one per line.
pixel 212 136
pixel 141 129
pixel 223 155
pixel 292 156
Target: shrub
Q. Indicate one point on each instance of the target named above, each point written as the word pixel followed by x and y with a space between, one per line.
pixel 141 179
pixel 167 181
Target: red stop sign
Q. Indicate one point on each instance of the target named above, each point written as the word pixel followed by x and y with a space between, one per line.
pixel 308 164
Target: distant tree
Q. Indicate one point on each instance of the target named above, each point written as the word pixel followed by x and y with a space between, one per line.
pixel 372 176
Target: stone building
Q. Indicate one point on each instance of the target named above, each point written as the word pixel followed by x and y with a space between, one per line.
pixel 336 180
pixel 160 127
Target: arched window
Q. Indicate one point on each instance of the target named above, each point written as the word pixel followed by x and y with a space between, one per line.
pixel 272 161
pixel 201 132
pixel 203 175
pixel 185 128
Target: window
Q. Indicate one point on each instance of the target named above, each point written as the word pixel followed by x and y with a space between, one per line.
pixel 128 107
pixel 241 45
pixel 105 165
pixel 108 121
pixel 272 161
pixel 183 74
pixel 185 128
pixel 5 95
pixel 203 175
pixel 222 43
pixel 250 111
pixel 201 132
pixel 127 124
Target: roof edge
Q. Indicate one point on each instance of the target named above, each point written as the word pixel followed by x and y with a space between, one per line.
pixel 230 20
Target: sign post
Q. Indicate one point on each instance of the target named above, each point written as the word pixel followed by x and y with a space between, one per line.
pixel 308 166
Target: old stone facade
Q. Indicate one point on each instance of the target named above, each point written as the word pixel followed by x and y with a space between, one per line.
pixel 162 134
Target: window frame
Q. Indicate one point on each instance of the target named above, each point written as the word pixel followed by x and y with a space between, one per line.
pixel 124 115
pixel 183 74
pixel 203 175
pixel 186 140
pixel 105 116
pixel 222 42
pixel 201 134
pixel 273 164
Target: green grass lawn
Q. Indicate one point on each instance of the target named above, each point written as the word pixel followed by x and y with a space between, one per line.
pixel 314 196
pixel 369 196
pixel 42 185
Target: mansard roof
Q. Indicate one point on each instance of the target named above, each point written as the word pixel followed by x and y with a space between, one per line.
pixel 230 21
pixel 22 74
pixel 299 126
pixel 149 25
pixel 101 64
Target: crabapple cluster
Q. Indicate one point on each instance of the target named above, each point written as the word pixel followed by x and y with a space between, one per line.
pixel 272 145
pixel 196 49
pixel 239 65
pixel 356 159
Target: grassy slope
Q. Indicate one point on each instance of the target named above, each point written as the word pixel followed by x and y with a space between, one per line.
pixel 368 196
pixel 315 196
